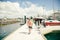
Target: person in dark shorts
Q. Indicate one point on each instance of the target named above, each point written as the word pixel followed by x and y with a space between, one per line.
pixel 43 22
pixel 29 24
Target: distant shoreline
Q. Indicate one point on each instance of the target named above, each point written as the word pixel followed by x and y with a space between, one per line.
pixel 7 23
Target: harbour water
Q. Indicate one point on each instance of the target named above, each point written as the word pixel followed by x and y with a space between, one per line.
pixel 54 35
pixel 7 29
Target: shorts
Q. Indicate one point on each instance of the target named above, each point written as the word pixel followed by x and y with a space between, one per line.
pixel 30 27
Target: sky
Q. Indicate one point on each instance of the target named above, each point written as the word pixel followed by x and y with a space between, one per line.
pixel 19 8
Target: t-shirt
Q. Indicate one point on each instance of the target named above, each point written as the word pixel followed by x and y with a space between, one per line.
pixel 29 23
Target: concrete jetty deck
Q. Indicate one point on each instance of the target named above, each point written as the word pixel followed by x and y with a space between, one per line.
pixel 22 34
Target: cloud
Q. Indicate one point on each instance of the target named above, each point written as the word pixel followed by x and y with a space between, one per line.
pixel 13 10
pixel 34 10
pixel 50 12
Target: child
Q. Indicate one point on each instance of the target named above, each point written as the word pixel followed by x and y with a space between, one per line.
pixel 29 24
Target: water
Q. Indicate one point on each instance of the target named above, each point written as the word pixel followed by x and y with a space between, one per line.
pixel 55 35
pixel 7 29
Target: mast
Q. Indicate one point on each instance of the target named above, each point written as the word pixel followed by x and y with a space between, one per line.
pixel 53 11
